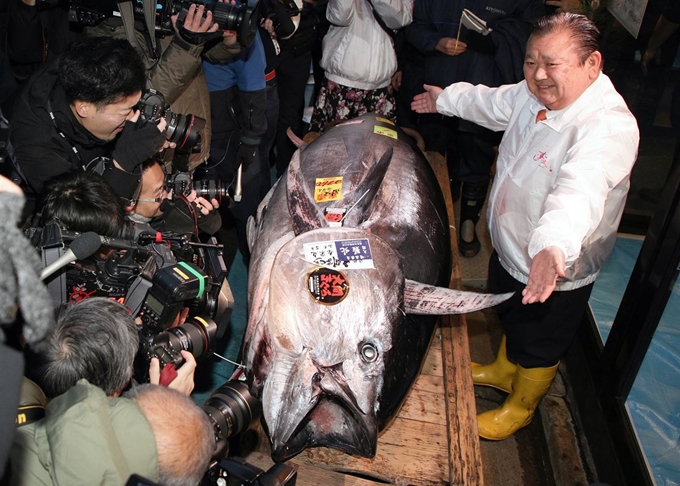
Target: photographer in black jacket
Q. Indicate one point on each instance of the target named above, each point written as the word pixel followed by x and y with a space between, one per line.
pixel 82 108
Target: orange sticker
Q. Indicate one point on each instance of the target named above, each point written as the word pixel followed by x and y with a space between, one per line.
pixel 384 120
pixel 328 189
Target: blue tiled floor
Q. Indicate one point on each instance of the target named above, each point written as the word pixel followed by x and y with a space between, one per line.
pixel 654 400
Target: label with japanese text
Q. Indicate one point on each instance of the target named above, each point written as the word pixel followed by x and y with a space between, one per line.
pixel 328 189
pixel 345 254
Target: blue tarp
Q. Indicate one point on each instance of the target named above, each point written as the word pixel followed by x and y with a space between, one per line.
pixel 654 400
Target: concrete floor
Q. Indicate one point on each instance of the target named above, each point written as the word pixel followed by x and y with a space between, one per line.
pixel 549 451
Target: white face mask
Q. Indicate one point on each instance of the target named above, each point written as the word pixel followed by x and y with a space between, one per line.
pixel 138 218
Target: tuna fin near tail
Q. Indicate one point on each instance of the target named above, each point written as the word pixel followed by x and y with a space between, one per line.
pixel 420 298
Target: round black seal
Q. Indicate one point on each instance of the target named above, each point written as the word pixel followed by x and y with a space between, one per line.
pixel 327 286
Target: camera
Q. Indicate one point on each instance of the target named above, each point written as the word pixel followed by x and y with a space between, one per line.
pixel 242 18
pixel 183 130
pixel 196 336
pixel 144 274
pixel 182 183
pixel 231 410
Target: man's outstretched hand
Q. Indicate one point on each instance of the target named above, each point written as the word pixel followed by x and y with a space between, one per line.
pixel 426 102
pixel 546 266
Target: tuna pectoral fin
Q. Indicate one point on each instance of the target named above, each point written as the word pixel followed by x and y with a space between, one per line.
pixel 420 298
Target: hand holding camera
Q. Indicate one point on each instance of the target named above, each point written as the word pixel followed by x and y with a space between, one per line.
pixel 138 142
pixel 198 20
pixel 183 380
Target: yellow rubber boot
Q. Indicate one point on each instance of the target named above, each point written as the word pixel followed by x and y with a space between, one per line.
pixel 529 386
pixel 498 374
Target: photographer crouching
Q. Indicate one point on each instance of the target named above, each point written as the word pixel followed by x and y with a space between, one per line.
pixel 79 113
pixel 181 211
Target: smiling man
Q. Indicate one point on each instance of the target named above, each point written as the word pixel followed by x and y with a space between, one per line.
pixel 562 176
pixel 79 109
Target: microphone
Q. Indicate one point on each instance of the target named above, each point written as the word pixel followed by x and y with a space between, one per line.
pixel 82 247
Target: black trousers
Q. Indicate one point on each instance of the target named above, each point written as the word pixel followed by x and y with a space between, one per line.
pixel 292 74
pixel 222 163
pixel 538 335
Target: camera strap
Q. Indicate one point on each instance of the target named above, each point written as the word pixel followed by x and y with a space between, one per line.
pixel 127 14
pixel 381 22
pixel 73 147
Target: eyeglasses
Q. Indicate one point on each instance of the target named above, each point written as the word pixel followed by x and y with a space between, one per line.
pixel 163 195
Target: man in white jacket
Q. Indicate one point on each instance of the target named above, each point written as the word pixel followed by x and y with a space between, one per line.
pixel 562 176
pixel 359 59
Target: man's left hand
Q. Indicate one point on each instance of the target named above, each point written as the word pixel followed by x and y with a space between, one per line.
pixel 195 22
pixel 546 266
pixel 202 204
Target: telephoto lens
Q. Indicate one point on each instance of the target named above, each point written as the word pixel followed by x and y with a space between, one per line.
pixel 232 410
pixel 212 189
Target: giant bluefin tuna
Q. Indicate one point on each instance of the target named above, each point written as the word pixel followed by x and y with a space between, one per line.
pixel 349 253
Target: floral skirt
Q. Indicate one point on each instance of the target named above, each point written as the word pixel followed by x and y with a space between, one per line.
pixel 338 102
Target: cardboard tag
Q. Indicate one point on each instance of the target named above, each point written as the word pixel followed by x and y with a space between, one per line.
pixel 328 189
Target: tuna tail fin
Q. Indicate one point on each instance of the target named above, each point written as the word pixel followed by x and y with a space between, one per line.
pixel 420 298
pixel 304 213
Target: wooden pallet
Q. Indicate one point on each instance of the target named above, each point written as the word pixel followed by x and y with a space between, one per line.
pixel 434 438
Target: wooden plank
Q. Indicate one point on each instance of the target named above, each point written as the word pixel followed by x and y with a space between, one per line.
pixel 409 452
pixel 465 458
pixel 308 474
pixel 433 360
pixel 426 406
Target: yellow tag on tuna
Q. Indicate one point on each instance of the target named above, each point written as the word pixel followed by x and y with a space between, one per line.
pixel 388 132
pixel 384 120
pixel 328 189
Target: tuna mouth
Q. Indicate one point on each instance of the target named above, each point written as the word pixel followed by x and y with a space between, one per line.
pixel 323 412
pixel 331 423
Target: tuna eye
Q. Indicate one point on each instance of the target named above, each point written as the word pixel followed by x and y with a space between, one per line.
pixel 369 353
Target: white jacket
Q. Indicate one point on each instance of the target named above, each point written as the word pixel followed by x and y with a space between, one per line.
pixel 561 182
pixel 357 52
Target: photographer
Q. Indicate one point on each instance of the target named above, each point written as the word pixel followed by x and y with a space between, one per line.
pixel 96 339
pixel 163 211
pixel 88 438
pixel 173 61
pixel 79 109
pixel 82 202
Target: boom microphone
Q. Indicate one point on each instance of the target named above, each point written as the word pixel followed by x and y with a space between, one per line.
pixel 82 247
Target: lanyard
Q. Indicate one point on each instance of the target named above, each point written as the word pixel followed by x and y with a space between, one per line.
pixel 73 147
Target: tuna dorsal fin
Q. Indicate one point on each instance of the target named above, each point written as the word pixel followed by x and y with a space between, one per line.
pixel 304 213
pixel 364 194
pixel 421 298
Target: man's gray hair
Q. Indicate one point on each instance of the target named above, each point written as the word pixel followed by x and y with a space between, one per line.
pixel 95 339
pixel 185 440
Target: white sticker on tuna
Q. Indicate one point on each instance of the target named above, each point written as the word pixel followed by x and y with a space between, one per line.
pixel 344 254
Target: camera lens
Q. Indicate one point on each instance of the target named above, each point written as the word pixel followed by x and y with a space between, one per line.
pixel 184 130
pixel 232 409
pixel 228 16
pixel 196 336
pixel 241 18
pixel 211 189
